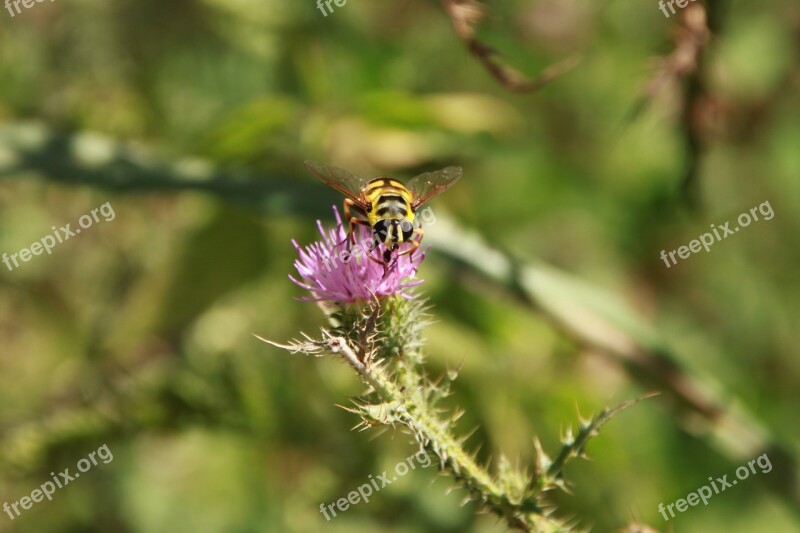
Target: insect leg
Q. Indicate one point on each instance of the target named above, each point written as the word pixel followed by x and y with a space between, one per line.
pixel 378 261
pixel 348 204
pixel 354 221
pixel 414 243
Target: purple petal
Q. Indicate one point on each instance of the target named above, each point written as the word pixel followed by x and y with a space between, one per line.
pixel 327 278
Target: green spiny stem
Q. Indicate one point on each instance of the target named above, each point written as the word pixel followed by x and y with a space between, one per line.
pixel 433 434
pixel 403 321
pixel 574 446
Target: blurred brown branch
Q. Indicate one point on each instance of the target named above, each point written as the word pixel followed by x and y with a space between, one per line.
pixel 691 36
pixel 687 63
pixel 466 14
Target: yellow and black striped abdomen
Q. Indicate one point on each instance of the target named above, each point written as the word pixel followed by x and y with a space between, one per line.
pixel 389 200
pixel 390 214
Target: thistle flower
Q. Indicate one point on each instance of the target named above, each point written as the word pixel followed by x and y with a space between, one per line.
pixel 333 270
pixel 382 342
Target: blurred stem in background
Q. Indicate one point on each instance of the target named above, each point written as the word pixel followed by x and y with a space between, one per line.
pixel 466 15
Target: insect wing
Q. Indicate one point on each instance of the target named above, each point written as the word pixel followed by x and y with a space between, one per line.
pixel 343 181
pixel 430 184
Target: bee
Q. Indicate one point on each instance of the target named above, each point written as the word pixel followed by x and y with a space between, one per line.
pixel 387 206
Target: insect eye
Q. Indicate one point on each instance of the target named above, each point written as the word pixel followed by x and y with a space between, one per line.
pixel 407 228
pixel 381 228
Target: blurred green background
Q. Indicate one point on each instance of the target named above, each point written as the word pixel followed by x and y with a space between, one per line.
pixel 192 118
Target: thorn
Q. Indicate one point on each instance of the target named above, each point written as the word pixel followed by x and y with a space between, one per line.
pixel 469 434
pixel 569 438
